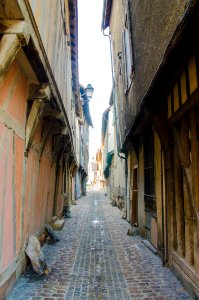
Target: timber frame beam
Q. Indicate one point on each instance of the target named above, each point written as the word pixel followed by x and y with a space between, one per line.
pixel 17 27
pixel 39 94
pixel 15 34
pixel 48 127
pixel 32 122
pixel 187 170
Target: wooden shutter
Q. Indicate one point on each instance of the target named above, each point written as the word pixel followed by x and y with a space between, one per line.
pixel 127 56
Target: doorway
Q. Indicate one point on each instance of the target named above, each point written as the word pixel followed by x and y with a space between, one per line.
pixel 134 209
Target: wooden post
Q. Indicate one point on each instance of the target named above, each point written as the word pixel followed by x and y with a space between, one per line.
pixel 194 128
pixel 179 200
pixel 187 171
pixel 32 122
pixel 39 94
pixel 171 206
pixel 188 212
pixel 48 127
pixel 185 142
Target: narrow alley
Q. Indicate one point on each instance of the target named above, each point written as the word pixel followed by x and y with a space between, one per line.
pixel 96 259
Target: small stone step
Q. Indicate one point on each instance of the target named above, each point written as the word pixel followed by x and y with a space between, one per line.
pixel 150 246
pixel 58 225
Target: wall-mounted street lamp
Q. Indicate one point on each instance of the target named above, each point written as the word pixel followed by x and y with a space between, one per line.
pixel 89 91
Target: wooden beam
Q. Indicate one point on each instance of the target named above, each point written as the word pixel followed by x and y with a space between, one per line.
pixel 73 168
pixel 162 129
pixel 48 127
pixel 53 114
pixel 188 228
pixel 32 122
pixel 189 271
pixel 179 146
pixel 194 128
pixel 187 173
pixel 9 47
pixel 42 92
pixel 18 27
pixel 179 205
pixel 170 199
pixel 56 146
pixel 64 131
pixel 185 142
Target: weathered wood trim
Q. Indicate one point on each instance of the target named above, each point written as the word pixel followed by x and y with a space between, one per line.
pixel 194 127
pixel 18 27
pixel 189 271
pixel 9 47
pixel 185 142
pixel 179 201
pixel 56 141
pixel 57 180
pixel 19 260
pixel 73 168
pixel 170 199
pixel 53 114
pixel 32 122
pixel 194 122
pixel 10 123
pixel 48 127
pixel 64 131
pixel 4 183
pixel 187 171
pixel 39 92
pixel 162 129
pixel 5 144
pixel 188 220
pixel 14 192
pixel 193 100
pixel 179 146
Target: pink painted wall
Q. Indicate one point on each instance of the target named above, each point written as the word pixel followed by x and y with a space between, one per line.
pixel 13 94
pixel 27 184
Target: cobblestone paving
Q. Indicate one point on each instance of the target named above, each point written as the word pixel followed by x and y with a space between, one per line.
pixel 95 259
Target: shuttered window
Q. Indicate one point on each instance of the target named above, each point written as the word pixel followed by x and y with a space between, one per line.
pixel 127 55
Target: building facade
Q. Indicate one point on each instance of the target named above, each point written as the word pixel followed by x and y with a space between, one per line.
pixel 40 113
pixel 154 48
pixel 114 162
pixel 84 124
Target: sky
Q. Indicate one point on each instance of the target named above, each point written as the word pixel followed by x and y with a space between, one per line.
pixel 94 64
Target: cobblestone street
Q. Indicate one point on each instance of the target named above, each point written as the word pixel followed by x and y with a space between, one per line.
pixel 95 259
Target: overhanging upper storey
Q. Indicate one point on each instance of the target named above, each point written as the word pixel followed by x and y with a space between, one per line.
pixel 106 14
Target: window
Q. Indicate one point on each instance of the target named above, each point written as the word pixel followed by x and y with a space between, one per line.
pixel 127 55
pixel 149 186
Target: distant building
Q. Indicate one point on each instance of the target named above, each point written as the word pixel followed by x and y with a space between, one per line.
pixel 96 178
pixel 83 145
